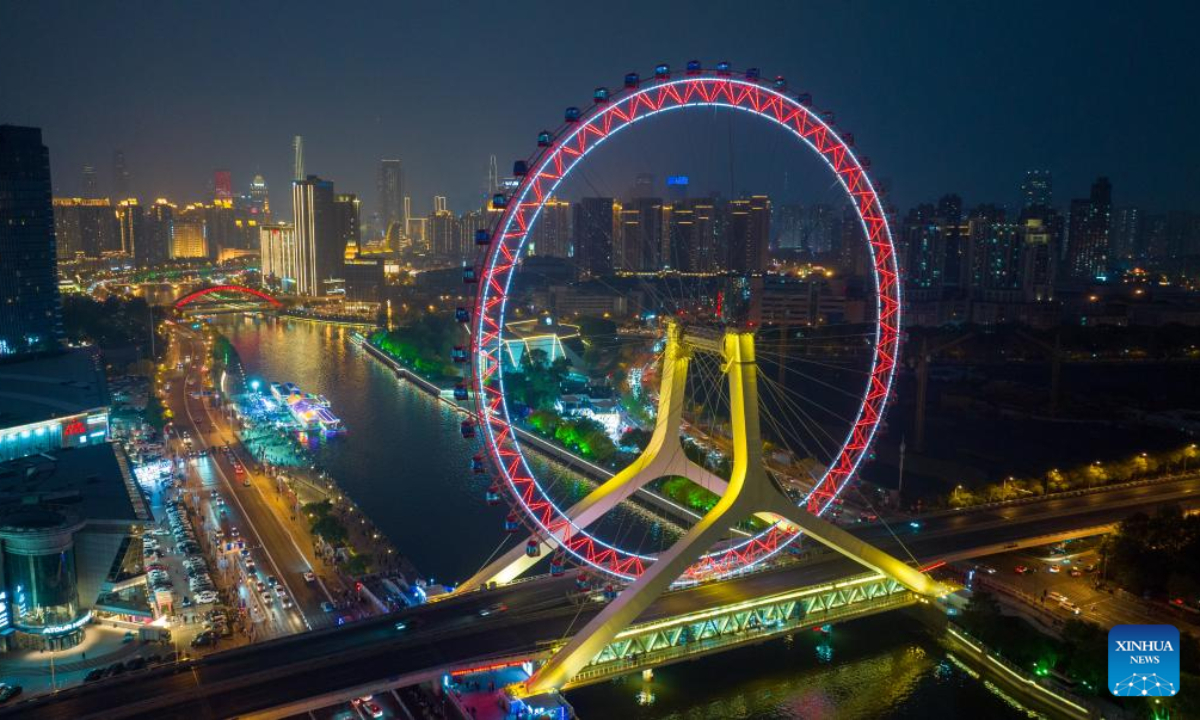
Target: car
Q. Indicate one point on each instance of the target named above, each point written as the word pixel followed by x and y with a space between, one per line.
pixel 262 586
pixel 372 709
pixel 280 591
pixel 267 598
pixel 310 576
pixel 1020 569
pixel 205 639
pixel 287 602
pixel 272 581
pixel 327 606
pixel 136 663
pixel 206 597
pixel 986 569
pixel 1076 572
pixel 93 675
pixel 1070 607
pixel 493 609
pixel 1054 569
pixel 8 692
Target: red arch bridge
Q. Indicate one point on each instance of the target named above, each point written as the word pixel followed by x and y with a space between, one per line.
pixel 219 291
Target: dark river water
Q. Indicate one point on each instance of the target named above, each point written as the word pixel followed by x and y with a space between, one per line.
pixel 406 465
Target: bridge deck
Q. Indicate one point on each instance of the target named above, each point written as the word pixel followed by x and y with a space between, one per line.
pixel 452 634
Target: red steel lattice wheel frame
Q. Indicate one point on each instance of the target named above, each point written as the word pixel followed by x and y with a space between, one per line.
pixel 545 171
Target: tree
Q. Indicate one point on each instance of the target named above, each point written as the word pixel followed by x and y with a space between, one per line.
pixel 356 565
pixel 155 413
pixel 331 530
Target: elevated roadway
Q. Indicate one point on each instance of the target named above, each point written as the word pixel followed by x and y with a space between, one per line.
pixel 453 634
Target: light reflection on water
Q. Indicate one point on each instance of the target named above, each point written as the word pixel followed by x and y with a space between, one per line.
pixel 403 459
pixel 405 464
pixel 879 667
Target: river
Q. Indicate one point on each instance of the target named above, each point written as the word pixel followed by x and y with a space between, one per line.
pixel 405 464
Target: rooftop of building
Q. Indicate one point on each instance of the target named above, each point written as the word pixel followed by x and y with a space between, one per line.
pixel 50 386
pixel 95 482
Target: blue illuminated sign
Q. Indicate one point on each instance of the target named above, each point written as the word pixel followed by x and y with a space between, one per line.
pixel 677 180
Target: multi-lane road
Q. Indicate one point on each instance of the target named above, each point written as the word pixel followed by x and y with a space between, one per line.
pixel 275 548
pixel 453 632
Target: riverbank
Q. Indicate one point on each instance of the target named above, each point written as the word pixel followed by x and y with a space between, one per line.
pixel 301 485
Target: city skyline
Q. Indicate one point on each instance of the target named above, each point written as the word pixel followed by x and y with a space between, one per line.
pixel 444 115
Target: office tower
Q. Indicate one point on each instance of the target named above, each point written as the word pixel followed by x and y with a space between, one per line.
pixel 258 200
pixel 748 234
pixel 1037 189
pixel 85 227
pixel 638 243
pixel 122 185
pixel 280 257
pixel 391 194
pixel 30 314
pixel 319 247
pixel 222 185
pixel 594 229
pixel 1088 233
pixel 160 230
pixel 90 188
pixel 1127 246
pixel 493 177
pixel 298 158
pixel 188 239
pixel 348 208
pixel 132 222
pixel 552 233
pixel 693 237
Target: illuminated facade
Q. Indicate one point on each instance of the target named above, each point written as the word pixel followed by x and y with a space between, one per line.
pixel 85 227
pixel 280 259
pixel 189 237
pixel 552 233
pixel 319 247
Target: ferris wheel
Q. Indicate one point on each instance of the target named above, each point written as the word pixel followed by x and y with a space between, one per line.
pixel 566 530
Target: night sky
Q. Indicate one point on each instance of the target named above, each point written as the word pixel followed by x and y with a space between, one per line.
pixel 944 97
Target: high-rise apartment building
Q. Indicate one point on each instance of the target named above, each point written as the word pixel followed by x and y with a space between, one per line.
pixel 160 231
pixel 595 222
pixel 319 245
pixel 638 243
pixel 694 239
pixel 552 232
pixel 85 227
pixel 445 232
pixel 30 314
pixel 1127 244
pixel 748 231
pixel 1037 189
pixel 1088 233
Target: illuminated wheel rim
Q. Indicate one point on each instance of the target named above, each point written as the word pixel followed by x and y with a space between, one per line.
pixel 546 170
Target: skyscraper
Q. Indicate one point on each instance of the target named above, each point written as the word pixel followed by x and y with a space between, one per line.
pixel 319 247
pixel 391 195
pixel 30 314
pixel 1037 189
pixel 259 200
pixel 693 237
pixel 349 223
pixel 131 219
pixel 594 229
pixel 749 234
pixel 222 185
pixel 160 231
pixel 298 158
pixel 122 186
pixel 1088 233
pixel 90 186
pixel 1127 245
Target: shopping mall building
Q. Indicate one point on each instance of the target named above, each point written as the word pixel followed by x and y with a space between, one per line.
pixel 71 514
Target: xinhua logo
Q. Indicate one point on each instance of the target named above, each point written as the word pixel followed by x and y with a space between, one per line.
pixel 1143 660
